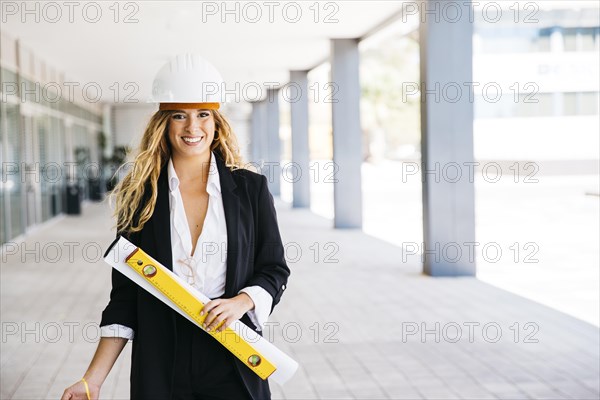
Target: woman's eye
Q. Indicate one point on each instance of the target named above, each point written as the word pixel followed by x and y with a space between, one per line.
pixel 178 116
pixel 204 114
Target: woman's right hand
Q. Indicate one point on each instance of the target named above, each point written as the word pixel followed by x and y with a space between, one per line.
pixel 77 391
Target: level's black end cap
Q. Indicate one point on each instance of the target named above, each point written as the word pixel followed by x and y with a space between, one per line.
pixel 111 245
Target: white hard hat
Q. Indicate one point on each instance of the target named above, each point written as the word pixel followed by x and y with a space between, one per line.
pixel 189 80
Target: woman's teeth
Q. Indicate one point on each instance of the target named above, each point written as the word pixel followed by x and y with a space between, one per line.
pixel 192 140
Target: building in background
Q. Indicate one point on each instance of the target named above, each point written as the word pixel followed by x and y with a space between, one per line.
pixel 548 69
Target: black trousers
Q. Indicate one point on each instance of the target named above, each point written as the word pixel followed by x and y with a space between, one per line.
pixel 204 369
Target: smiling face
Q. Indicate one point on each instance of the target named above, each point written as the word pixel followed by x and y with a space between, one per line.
pixel 191 132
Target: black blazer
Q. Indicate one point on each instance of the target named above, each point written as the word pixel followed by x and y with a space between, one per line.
pixel 255 256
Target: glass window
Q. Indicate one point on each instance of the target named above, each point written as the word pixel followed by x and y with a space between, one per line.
pixel 542 42
pixel 55 172
pixel 3 211
pixel 13 182
pixel 589 103
pixel 539 105
pixel 571 38
pixel 589 39
pixel 570 103
pixel 43 138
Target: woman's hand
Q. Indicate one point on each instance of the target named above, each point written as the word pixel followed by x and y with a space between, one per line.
pixel 77 391
pixel 225 311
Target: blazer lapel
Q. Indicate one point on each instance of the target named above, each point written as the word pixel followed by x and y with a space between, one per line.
pixel 231 205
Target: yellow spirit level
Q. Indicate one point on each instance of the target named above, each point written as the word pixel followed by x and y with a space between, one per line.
pixel 257 353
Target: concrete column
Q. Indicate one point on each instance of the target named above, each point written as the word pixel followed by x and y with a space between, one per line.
pixel 107 124
pixel 447 144
pixel 347 135
pixel 300 148
pixel 273 158
pixel 257 131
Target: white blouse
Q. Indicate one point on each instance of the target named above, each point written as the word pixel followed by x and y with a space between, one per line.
pixel 206 269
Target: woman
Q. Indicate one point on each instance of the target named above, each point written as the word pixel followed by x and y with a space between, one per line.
pixel 171 204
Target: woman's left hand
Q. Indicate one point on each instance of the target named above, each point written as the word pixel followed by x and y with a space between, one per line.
pixel 225 311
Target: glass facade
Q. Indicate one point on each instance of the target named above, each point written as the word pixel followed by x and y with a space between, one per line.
pixel 34 150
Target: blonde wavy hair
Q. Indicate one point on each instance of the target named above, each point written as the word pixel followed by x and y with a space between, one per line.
pixel 153 154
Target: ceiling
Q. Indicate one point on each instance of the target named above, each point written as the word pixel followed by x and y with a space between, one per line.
pixel 263 45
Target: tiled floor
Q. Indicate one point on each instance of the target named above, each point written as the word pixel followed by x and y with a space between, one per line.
pixel 362 324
